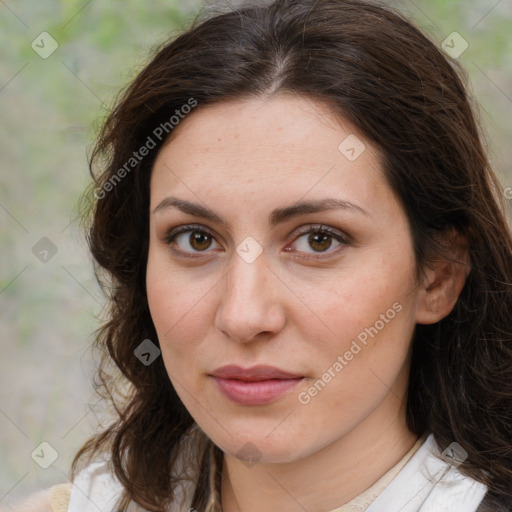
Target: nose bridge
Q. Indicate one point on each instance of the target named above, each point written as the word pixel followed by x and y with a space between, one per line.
pixel 245 283
pixel 248 304
pixel 245 274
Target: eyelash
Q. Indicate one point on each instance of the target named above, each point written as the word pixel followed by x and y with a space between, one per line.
pixel 312 228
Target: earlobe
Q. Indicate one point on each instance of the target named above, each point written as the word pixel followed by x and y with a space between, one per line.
pixel 442 284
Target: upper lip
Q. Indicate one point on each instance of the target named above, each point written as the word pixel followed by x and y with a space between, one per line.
pixel 254 373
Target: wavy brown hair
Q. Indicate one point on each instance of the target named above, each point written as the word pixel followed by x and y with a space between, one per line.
pixel 382 74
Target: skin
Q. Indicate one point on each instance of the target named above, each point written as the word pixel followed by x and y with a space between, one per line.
pixel 243 159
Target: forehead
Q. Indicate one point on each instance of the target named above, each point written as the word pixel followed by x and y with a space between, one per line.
pixel 258 150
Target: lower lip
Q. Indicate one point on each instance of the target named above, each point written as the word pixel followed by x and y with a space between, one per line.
pixel 255 392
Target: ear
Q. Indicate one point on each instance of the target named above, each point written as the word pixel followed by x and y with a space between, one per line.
pixel 443 280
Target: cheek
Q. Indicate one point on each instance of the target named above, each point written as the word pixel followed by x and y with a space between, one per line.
pixel 363 301
pixel 367 344
pixel 175 319
pixel 355 370
pixel 179 310
pixel 369 320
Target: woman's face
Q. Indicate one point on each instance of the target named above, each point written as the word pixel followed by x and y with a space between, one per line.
pixel 327 295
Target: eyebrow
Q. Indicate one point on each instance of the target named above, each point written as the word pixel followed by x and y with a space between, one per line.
pixel 277 216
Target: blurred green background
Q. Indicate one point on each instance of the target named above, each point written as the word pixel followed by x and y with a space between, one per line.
pixel 51 109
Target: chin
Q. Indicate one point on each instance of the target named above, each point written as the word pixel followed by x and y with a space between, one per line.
pixel 258 448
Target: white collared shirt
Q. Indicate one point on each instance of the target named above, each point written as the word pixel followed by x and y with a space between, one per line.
pixel 426 483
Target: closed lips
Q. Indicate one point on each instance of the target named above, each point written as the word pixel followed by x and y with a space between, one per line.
pixel 254 374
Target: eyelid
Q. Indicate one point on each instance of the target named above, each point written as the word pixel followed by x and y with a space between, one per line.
pixel 323 228
pixel 171 234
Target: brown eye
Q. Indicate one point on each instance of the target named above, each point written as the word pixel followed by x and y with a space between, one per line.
pixel 190 239
pixel 200 240
pixel 320 239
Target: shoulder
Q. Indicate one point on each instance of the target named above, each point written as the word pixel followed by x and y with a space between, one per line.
pixel 54 499
pixel 430 482
pixel 36 502
pixel 96 488
pixel 59 497
pixel 449 488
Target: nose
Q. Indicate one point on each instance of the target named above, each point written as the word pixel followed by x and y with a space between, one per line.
pixel 251 301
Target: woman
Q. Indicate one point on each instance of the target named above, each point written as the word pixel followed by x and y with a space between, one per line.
pixel 309 272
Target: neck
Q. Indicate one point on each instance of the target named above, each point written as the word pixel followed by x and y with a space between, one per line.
pixel 326 479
